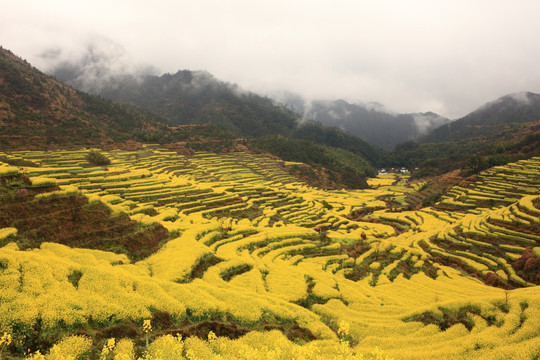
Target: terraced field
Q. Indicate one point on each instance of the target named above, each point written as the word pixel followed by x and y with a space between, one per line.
pixel 273 267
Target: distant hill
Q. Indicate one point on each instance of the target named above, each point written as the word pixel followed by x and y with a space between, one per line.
pixel 370 122
pixel 340 166
pixel 38 111
pixel 497 120
pixel 197 97
pixel 501 131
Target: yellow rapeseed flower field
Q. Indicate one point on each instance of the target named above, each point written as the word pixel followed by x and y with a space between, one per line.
pixel 288 270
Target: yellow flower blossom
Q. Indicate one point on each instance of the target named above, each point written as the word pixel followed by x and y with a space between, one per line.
pixel 212 336
pixel 107 348
pixel 343 329
pixel 294 277
pixel 147 326
pixel 5 340
pixel 70 348
pixel 36 356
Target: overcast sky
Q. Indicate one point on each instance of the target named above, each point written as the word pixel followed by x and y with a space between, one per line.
pixel 445 56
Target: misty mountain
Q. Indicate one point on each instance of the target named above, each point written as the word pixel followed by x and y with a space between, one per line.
pixel 186 97
pixel 197 97
pixel 370 122
pixel 501 131
pixel 500 119
pixel 37 111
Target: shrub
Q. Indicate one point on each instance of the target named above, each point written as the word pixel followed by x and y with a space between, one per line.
pixel 431 199
pixel 74 277
pixel 94 157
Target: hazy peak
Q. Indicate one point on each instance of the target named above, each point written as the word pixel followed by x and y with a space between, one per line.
pixel 517 98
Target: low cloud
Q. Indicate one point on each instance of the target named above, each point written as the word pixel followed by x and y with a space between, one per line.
pixel 412 56
pixel 428 121
pixel 521 97
pixel 92 66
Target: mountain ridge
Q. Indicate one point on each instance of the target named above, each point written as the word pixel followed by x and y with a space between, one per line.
pixel 372 122
pixel 39 112
pixel 197 97
pixel 491 120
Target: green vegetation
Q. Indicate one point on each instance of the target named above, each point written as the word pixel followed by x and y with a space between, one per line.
pixel 498 120
pixel 344 167
pixel 189 97
pixel 470 156
pixel 74 277
pixel 96 158
pixel 431 199
pixel 446 318
pixel 42 113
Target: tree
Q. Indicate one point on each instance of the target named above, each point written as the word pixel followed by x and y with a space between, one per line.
pixel 98 159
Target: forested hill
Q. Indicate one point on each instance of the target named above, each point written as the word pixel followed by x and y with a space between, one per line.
pixel 37 111
pixel 501 131
pixel 370 122
pixel 191 97
pixel 197 97
pixel 498 120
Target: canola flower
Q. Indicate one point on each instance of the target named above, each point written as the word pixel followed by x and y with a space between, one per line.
pixel 124 350
pixel 373 314
pixel 69 348
pixel 343 329
pixel 212 336
pixel 36 356
pixel 41 181
pixel 5 341
pixel 107 349
pixel 269 346
pixel 167 347
pixel 6 170
pixel 7 232
pixel 147 328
